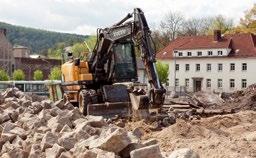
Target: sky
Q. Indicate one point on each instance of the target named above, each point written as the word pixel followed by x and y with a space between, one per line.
pixel 85 16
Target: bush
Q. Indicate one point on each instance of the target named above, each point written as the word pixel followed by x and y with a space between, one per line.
pixel 3 75
pixel 55 74
pixel 18 75
pixel 163 71
pixel 38 75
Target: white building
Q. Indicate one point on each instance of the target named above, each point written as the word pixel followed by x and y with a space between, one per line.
pixel 211 63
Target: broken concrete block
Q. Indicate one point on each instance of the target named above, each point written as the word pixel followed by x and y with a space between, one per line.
pixel 65 129
pixel 79 121
pixel 149 142
pixel 152 151
pixel 8 126
pixel 20 132
pixel 46 104
pixel 183 153
pixel 58 122
pixel 114 141
pixel 4 117
pixel 48 140
pixel 138 132
pixel 45 114
pixel 60 104
pixel 25 103
pixel 35 108
pixel 35 151
pixel 67 140
pixel 96 121
pixel 103 154
pixel 74 114
pixel 66 154
pixel 54 152
pixel 82 146
pixel 38 137
pixel 7 137
pixel 17 153
pixel 87 154
pixel 10 104
pixel 55 111
pixel 250 136
pixel 125 153
pixel 69 106
pixel 18 142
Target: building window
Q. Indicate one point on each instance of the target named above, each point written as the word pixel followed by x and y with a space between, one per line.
pixel 219 83
pixel 177 67
pixel 187 82
pixel 176 82
pixel 197 67
pixel 208 83
pixel 232 67
pixel 220 67
pixel 189 54
pixel 199 53
pixel 244 83
pixel 180 54
pixel 244 66
pixel 210 53
pixel 208 67
pixel 187 67
pixel 232 83
pixel 220 52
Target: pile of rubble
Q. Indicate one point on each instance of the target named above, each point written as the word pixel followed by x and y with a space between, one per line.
pixel 33 127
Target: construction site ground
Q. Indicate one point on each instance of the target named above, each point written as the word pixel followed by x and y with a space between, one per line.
pixel 202 125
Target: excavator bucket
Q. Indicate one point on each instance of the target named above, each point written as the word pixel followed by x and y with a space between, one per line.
pixel 116 102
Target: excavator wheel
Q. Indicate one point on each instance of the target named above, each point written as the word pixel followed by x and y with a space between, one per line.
pixel 84 100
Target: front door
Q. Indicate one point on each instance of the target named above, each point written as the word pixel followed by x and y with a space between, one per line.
pixel 198 85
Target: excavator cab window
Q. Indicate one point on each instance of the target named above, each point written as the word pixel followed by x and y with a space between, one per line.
pixel 125 62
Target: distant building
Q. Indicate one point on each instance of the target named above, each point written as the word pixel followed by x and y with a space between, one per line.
pixel 211 63
pixel 18 57
pixel 21 51
pixel 6 55
pixel 29 65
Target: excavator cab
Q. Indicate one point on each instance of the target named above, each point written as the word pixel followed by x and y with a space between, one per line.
pixel 125 62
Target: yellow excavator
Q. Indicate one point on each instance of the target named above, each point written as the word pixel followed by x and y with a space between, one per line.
pixel 107 83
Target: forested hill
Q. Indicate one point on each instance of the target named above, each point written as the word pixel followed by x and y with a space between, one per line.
pixel 38 40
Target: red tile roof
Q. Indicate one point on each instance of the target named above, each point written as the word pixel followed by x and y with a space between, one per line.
pixel 241 45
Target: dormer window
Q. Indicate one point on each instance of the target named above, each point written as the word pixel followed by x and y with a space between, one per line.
pixel 199 53
pixel 180 54
pixel 220 52
pixel 189 54
pixel 209 53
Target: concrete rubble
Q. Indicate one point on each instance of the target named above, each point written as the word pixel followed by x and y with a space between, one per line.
pixel 33 127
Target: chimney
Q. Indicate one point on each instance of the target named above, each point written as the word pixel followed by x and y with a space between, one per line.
pixel 3 31
pixel 217 35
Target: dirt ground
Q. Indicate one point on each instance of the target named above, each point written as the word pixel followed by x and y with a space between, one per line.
pixel 221 136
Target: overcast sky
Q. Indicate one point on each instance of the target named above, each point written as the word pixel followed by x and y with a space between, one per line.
pixel 84 16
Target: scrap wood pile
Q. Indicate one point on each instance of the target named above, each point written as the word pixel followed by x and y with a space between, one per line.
pixel 32 127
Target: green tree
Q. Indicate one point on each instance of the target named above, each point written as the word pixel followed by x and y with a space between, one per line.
pixel 18 75
pixel 83 49
pixel 38 75
pixel 3 75
pixel 55 74
pixel 163 71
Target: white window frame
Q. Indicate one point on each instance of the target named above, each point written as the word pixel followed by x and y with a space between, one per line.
pixel 220 83
pixel 176 82
pixel 220 52
pixel 208 67
pixel 244 83
pixel 220 65
pixel 208 83
pixel 232 67
pixel 198 67
pixel 186 82
pixel 180 54
pixel 189 54
pixel 177 67
pixel 244 66
pixel 187 67
pixel 199 53
pixel 210 53
pixel 232 83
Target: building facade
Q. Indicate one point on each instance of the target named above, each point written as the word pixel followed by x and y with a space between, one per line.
pixel 21 51
pixel 211 63
pixel 6 55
